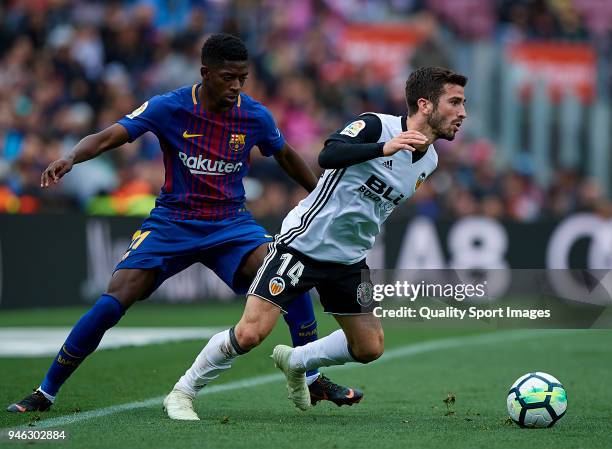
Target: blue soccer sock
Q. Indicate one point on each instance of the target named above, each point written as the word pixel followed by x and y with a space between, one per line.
pixel 302 323
pixel 82 341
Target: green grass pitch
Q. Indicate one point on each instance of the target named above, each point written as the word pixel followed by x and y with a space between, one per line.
pixel 403 404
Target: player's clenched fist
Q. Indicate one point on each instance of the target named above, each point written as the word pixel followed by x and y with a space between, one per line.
pixel 404 141
pixel 55 171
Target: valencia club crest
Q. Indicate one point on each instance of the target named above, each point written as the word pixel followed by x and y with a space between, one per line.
pixel 420 181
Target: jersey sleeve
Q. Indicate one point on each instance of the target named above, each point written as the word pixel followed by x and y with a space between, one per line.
pixel 271 140
pixel 148 117
pixel 365 128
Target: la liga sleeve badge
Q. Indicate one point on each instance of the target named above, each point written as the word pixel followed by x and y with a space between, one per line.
pixel 353 129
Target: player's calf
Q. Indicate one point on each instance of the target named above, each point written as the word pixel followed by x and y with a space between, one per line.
pixel 223 348
pixel 368 349
pixel 364 336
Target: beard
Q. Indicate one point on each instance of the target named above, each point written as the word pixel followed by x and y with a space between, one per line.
pixel 440 128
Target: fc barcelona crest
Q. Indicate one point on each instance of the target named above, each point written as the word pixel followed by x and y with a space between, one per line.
pixel 237 141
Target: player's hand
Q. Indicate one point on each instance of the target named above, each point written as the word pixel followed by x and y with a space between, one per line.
pixel 404 141
pixel 55 171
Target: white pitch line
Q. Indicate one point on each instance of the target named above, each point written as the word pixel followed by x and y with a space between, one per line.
pixel 43 341
pixel 392 354
pixel 152 402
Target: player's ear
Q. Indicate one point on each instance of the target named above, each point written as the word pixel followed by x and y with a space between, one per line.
pixel 425 106
pixel 204 71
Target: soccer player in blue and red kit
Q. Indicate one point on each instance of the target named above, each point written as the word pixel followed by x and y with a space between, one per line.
pixel 206 132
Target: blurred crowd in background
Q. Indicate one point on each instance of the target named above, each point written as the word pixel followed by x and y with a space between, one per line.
pixel 69 68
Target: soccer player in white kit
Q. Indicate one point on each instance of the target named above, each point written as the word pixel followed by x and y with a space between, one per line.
pixel 373 164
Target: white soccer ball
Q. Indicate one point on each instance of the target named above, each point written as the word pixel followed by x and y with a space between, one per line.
pixel 536 400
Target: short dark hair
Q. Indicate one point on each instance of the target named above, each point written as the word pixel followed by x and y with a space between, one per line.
pixel 222 47
pixel 428 82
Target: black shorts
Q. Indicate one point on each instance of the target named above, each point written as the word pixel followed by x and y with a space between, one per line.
pixel 287 273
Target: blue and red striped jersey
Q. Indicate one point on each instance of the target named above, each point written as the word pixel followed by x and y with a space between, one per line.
pixel 206 154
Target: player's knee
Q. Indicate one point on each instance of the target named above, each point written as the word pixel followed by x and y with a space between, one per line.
pixel 129 286
pixel 248 337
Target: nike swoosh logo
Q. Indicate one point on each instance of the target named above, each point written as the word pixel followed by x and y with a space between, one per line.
pixel 186 135
pixel 350 394
pixel 306 326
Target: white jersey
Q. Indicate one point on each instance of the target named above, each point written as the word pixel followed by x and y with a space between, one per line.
pixel 339 220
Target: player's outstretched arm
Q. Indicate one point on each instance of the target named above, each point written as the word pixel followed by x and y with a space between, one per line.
pixel 293 164
pixel 89 147
pixel 339 154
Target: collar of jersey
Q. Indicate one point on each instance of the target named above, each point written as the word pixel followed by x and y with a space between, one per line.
pixel 194 93
pixel 417 155
pixel 196 89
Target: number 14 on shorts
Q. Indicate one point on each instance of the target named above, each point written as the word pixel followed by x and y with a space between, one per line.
pixel 294 272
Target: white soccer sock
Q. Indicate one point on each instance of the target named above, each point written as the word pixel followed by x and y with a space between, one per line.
pixel 326 351
pixel 312 378
pixel 217 356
